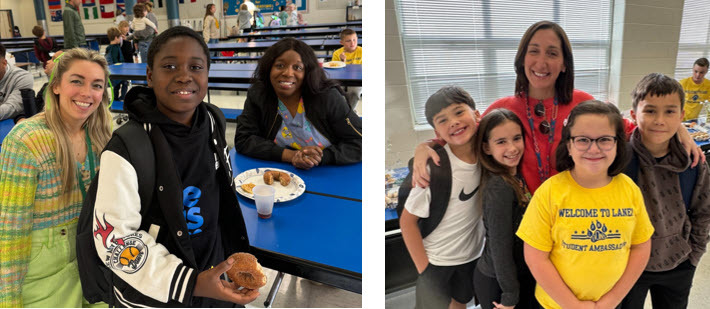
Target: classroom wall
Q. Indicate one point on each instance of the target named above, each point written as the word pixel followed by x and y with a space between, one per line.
pixel 645 36
pixel 400 137
pixel 23 14
pixel 319 11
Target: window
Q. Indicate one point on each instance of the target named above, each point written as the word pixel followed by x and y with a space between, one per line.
pixel 473 45
pixel 694 42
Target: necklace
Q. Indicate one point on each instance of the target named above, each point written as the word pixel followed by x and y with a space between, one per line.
pixel 81 167
pixel 542 169
pixel 524 187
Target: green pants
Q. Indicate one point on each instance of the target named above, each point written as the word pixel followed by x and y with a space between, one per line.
pixel 52 278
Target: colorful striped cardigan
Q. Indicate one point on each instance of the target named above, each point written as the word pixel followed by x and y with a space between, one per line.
pixel 30 200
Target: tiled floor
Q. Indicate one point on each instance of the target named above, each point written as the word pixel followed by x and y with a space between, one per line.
pixel 294 292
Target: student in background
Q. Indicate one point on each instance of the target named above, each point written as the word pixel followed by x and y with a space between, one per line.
pixel 501 278
pixel 283 15
pixel 149 14
pixel 697 89
pixel 12 80
pixel 180 269
pixel 445 236
pixel 675 195
pixel 586 230
pixel 210 29
pixel 274 21
pixel 16 32
pixel 143 31
pixel 41 95
pixel 244 20
pixel 350 53
pixel 46 165
pixel 43 45
pixel 115 55
pixel 292 19
pixel 293 113
pixel 73 26
pixel 129 52
pixel 251 7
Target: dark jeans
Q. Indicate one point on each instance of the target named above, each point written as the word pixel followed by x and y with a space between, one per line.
pixel 437 285
pixel 669 289
pixel 214 41
pixel 120 88
pixel 488 291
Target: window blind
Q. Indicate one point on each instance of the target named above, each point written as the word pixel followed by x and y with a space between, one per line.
pixel 694 40
pixel 473 44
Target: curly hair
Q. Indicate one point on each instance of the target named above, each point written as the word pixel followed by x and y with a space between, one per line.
pixel 174 32
pixel 315 81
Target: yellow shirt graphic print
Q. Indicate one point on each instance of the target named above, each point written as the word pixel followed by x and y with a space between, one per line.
pixel 588 232
pixel 694 95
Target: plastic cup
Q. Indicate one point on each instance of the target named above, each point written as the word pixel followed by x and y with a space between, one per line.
pixel 320 62
pixel 264 198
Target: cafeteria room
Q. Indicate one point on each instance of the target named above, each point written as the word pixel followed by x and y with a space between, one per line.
pixel 219 127
pixel 503 90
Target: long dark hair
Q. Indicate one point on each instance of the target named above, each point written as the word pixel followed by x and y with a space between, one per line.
pixel 314 80
pixel 208 10
pixel 492 167
pixel 563 159
pixel 564 85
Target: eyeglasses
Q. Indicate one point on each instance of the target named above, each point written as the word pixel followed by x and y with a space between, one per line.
pixel 540 112
pixel 583 143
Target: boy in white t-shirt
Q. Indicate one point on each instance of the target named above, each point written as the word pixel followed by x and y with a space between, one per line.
pixel 445 234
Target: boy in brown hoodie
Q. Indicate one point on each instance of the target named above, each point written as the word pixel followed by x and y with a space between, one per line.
pixel 676 196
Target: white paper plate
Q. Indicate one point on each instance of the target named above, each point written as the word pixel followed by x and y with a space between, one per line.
pixel 256 176
pixel 334 65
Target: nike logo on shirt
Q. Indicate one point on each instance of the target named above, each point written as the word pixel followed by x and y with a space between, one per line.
pixel 465 197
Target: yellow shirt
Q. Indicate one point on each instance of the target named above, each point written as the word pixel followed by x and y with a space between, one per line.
pixel 694 94
pixel 350 58
pixel 588 232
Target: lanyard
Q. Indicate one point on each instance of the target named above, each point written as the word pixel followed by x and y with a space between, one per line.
pixel 543 172
pixel 90 159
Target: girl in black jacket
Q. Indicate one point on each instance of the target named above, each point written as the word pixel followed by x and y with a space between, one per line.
pixel 294 113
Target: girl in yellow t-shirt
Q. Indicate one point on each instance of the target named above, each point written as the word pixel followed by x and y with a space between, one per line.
pixel 586 230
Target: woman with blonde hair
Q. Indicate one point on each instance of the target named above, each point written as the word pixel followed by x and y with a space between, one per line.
pixel 46 165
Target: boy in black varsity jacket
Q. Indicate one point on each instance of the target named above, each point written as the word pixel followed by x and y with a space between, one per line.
pixel 166 258
pixel 446 243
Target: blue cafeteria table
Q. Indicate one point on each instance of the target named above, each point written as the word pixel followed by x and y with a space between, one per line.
pixel 324 25
pixel 293 33
pixel 350 75
pixel 315 236
pixel 316 44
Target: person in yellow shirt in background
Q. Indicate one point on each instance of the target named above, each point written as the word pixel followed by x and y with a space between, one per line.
pixel 697 89
pixel 350 53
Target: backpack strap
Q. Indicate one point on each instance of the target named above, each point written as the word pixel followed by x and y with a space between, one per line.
pixel 134 136
pixel 440 187
pixel 687 178
pixel 632 169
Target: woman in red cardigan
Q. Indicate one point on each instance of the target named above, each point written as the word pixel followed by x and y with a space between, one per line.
pixel 544 96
